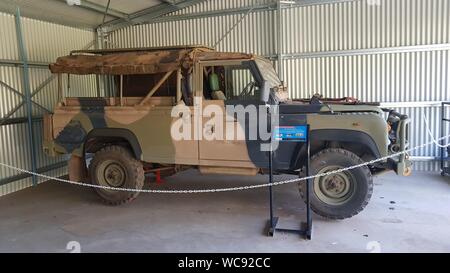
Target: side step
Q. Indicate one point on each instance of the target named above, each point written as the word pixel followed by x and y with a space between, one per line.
pixel 228 170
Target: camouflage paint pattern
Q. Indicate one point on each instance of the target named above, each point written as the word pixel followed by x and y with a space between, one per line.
pixel 66 131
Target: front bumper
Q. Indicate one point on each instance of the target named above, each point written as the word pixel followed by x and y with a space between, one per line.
pixel 400 167
pixel 401 163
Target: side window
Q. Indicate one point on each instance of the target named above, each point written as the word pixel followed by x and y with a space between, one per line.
pixel 231 82
pixel 242 85
pixel 79 86
pixel 140 85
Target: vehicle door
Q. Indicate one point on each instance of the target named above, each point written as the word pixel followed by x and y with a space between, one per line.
pixel 230 99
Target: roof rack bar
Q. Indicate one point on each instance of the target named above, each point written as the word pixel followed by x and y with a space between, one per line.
pixel 122 50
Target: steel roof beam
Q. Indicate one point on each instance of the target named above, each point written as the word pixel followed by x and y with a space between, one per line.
pixel 170 2
pixel 20 63
pixel 244 9
pixel 147 15
pixel 99 9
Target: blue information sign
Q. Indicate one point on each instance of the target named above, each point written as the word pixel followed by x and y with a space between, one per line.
pixel 291 133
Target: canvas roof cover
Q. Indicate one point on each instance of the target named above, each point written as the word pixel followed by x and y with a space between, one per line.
pixel 130 61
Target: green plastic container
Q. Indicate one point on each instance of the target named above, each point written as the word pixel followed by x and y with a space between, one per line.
pixel 214 82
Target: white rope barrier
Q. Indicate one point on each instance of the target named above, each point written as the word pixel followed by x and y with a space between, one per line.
pixel 434 141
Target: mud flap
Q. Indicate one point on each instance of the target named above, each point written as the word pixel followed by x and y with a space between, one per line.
pixel 77 169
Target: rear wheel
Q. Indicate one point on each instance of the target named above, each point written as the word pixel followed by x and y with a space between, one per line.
pixel 340 195
pixel 114 166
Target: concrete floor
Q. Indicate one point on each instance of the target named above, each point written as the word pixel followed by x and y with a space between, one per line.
pixel 405 215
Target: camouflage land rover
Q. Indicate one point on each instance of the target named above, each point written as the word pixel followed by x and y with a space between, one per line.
pixel 130 131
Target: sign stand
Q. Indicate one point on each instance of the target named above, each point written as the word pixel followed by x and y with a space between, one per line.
pixel 305 227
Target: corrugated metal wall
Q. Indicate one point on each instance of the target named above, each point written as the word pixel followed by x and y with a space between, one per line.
pixel 220 5
pixel 340 33
pixel 363 48
pixel 337 49
pixel 44 43
pixel 254 34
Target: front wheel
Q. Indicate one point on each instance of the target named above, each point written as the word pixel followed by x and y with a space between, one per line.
pixel 339 195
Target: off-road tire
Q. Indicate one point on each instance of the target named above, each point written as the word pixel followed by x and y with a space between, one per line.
pixel 361 178
pixel 132 170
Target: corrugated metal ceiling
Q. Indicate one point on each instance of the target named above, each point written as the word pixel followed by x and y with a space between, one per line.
pixel 128 6
pixel 58 11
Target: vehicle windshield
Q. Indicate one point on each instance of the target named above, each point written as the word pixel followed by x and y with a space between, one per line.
pixel 279 91
pixel 268 72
